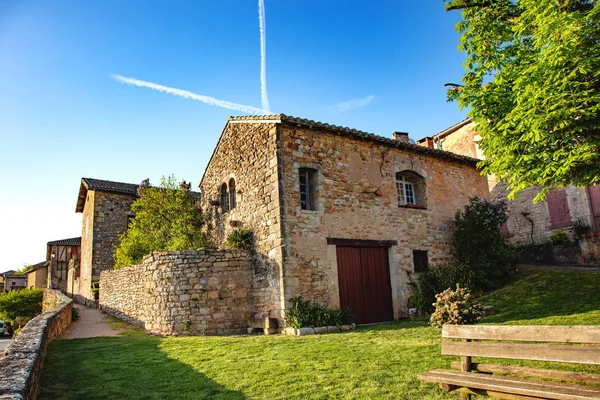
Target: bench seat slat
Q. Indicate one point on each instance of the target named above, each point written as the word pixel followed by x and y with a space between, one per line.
pixel 538 333
pixel 539 352
pixel 533 372
pixel 518 386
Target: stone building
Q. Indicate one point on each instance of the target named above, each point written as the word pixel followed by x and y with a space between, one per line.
pixel 37 277
pixel 106 212
pixel 14 281
pixel 58 255
pixel 528 222
pixel 340 216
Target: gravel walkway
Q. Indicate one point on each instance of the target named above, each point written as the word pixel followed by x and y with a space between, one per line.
pixel 91 323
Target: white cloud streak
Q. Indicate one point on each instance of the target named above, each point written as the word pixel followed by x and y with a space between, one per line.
pixel 352 104
pixel 189 95
pixel 263 56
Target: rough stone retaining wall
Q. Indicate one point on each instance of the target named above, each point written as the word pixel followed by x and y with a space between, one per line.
pixel 21 365
pixel 192 292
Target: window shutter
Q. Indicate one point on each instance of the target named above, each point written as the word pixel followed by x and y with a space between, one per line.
pixel 558 208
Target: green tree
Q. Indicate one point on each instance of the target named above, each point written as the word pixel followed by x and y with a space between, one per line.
pixel 167 217
pixel 26 268
pixel 532 85
pixel 24 304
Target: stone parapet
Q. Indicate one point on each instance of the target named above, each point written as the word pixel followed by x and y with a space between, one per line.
pixel 21 365
pixel 192 292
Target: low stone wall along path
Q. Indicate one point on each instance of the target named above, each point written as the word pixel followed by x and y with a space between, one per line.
pixel 91 323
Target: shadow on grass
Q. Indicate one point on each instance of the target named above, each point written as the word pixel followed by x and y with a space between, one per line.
pixel 557 296
pixel 122 368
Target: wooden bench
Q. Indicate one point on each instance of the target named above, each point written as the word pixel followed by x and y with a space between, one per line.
pixel 578 345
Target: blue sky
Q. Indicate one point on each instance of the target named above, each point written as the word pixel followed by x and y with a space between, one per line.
pixel 62 117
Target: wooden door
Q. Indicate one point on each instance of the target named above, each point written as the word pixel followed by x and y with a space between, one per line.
pixel 594 197
pixel 364 283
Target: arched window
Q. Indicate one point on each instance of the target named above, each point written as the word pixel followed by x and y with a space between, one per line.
pixel 411 189
pixel 224 197
pixel 232 194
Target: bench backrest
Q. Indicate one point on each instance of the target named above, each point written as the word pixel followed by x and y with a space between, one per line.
pixel 587 353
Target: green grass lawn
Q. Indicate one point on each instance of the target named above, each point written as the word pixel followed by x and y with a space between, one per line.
pixel 378 362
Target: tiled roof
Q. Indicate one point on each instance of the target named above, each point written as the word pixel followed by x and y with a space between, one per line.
pixel 340 130
pixel 66 242
pixel 37 266
pixel 110 186
pixel 103 186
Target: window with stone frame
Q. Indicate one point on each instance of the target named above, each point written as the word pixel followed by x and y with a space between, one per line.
pixel 232 194
pixel 307 178
pixel 224 198
pixel 410 187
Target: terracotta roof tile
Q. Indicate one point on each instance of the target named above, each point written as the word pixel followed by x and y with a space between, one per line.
pixel 362 135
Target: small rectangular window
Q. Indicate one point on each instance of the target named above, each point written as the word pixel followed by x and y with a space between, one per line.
pixel 420 261
pixel 307 183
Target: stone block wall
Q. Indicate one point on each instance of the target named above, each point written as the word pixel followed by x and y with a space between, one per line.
pixel 22 363
pixel 349 173
pixel 194 292
pixel 105 217
pixel 590 250
pixel 248 153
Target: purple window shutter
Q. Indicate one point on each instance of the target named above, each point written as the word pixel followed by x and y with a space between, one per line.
pixel 558 208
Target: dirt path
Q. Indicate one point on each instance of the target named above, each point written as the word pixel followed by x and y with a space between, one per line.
pixel 91 323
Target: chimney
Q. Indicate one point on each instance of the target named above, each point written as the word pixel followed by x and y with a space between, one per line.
pixel 400 136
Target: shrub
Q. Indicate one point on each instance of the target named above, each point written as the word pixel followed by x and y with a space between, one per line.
pixel 480 244
pixel 560 238
pixel 581 228
pixel 455 307
pixel 304 314
pixel 75 314
pixel 437 280
pixel 241 238
pixel 19 305
pixel 167 217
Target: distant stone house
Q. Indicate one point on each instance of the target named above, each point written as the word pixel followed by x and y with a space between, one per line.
pixel 37 277
pixel 58 255
pixel 14 281
pixel 106 213
pixel 340 216
pixel 528 222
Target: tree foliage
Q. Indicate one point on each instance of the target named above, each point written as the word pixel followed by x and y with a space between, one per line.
pixel 532 84
pixel 167 217
pixel 25 304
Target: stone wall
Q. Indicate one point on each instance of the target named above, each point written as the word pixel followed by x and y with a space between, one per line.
pixel 590 250
pixel 357 198
pixel 199 292
pixel 248 154
pixel 105 217
pixel 529 222
pixel 22 363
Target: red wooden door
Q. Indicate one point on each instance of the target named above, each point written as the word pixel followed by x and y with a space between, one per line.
pixel 364 282
pixel 558 208
pixel 594 196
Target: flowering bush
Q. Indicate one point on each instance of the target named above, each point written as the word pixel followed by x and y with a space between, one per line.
pixel 455 307
pixel 479 243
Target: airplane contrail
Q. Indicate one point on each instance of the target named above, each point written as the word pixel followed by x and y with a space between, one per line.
pixel 352 104
pixel 263 56
pixel 189 95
